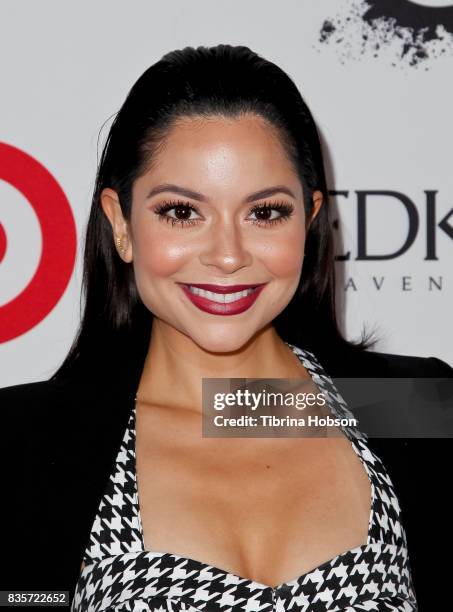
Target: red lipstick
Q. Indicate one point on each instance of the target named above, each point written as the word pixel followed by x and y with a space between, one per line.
pixel 213 304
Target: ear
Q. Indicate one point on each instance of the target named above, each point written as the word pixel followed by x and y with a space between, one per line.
pixel 120 229
pixel 317 203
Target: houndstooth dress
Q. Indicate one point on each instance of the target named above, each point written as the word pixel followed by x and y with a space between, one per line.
pixel 120 575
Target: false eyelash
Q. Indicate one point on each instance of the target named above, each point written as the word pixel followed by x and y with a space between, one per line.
pixel 286 210
pixel 165 206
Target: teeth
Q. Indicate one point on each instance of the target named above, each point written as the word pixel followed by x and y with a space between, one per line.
pixel 221 298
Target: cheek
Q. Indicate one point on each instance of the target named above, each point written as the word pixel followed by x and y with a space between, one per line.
pixel 283 255
pixel 157 257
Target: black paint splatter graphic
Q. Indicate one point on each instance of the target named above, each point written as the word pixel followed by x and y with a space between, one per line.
pixel 408 33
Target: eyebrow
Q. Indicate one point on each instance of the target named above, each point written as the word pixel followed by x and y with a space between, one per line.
pixel 195 195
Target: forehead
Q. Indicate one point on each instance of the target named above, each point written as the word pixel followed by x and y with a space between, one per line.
pixel 217 144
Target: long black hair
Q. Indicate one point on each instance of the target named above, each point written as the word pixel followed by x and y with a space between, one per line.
pixel 223 80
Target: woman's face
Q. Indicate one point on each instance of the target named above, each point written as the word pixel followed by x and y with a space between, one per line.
pixel 221 205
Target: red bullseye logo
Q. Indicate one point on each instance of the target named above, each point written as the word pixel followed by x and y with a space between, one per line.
pixel 2 243
pixel 59 241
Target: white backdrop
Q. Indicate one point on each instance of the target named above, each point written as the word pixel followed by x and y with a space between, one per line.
pixel 386 124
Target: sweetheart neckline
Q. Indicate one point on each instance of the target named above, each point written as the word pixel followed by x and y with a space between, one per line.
pixel 240 580
pixel 292 581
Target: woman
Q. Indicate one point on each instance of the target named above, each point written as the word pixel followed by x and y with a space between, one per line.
pixel 208 254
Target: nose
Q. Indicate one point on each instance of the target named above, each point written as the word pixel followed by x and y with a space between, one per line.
pixel 225 249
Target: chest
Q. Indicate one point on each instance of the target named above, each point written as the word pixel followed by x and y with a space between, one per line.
pixel 267 509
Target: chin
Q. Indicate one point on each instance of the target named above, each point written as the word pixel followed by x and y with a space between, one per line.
pixel 225 341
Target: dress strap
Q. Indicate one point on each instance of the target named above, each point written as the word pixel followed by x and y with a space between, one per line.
pixel 116 528
pixel 335 401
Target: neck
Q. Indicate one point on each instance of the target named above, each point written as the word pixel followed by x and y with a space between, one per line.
pixel 175 365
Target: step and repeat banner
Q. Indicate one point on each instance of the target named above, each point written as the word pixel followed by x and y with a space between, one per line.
pixel 377 77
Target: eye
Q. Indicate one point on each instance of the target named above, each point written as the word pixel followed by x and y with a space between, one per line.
pixel 265 213
pixel 182 213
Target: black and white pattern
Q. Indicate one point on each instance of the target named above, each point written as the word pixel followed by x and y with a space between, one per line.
pixel 120 575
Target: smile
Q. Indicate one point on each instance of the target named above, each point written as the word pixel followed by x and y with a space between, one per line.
pixel 222 299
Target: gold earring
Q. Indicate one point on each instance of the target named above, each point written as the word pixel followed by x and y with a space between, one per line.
pixel 120 247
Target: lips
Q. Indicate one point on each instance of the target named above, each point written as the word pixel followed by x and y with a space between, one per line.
pixel 221 299
pixel 223 288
